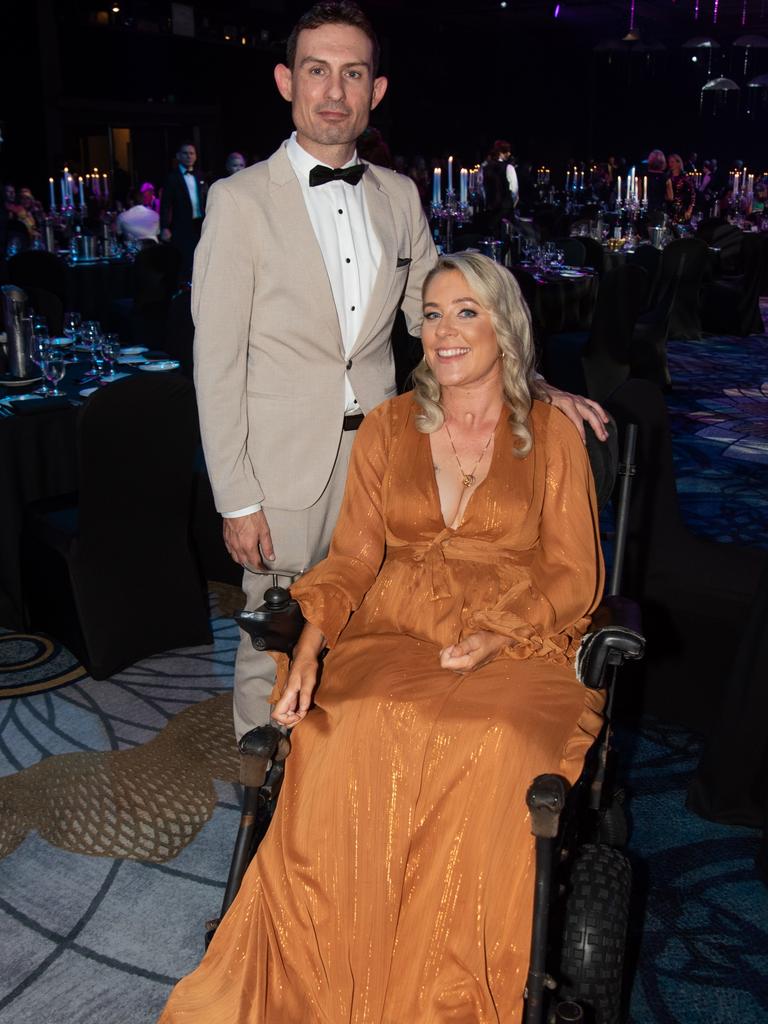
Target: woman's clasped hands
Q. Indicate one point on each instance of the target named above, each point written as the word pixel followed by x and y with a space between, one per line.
pixel 473 651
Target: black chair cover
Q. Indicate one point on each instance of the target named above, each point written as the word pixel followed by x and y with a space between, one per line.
pixel 595 362
pixel 593 253
pixel 39 270
pixel 649 258
pixel 573 249
pixel 683 264
pixel 606 356
pixel 695 595
pixel 180 331
pixel 731 305
pixel 120 572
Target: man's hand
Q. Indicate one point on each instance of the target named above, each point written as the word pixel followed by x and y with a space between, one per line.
pixel 165 235
pixel 247 539
pixel 578 409
pixel 476 650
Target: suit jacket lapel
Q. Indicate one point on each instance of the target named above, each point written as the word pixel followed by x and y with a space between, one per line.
pixel 296 228
pixel 382 219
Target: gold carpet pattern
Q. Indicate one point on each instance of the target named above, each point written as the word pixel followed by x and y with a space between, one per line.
pixel 145 803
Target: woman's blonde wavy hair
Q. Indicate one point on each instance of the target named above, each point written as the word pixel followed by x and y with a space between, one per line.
pixel 498 292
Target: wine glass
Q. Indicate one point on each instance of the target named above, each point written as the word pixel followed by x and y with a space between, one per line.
pixel 39 351
pixel 72 323
pixel 110 350
pixel 92 338
pixel 54 369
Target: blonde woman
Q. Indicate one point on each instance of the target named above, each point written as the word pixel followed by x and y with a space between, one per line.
pixel 395 883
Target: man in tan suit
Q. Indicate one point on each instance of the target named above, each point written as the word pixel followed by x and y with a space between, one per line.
pixel 303 263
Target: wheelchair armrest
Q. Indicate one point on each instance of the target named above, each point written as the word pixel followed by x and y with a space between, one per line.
pixel 260 748
pixel 615 637
pixel 276 625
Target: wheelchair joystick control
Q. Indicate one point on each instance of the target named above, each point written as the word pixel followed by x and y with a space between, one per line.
pixel 277 599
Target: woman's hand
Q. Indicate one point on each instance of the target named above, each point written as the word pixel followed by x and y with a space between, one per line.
pixel 475 650
pixel 297 695
pixel 302 678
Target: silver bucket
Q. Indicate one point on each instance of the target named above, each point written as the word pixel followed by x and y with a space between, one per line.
pixel 18 328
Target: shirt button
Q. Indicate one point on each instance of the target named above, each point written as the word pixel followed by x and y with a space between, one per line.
pixel 341 211
pixel 352 308
pixel 348 260
pixel 349 364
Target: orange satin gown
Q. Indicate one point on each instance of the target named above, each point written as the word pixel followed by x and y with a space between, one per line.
pixel 395 885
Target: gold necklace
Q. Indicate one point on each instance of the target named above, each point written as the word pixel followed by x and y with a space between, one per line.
pixel 468 479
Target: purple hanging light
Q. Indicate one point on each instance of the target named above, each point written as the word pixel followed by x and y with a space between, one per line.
pixel 714 12
pixel 632 15
pixel 696 9
pixel 744 13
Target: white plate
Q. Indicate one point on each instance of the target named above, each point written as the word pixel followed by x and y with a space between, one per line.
pixel 572 273
pixel 87 392
pixel 159 365
pixel 10 383
pixel 133 350
pixel 61 342
pixel 131 360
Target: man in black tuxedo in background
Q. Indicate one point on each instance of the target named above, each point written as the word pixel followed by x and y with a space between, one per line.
pixel 182 206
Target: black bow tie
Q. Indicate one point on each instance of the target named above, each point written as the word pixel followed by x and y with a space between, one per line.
pixel 319 174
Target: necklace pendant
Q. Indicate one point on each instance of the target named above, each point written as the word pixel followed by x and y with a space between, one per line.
pixel 467 479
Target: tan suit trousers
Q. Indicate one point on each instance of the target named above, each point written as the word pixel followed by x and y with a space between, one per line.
pixel 301 538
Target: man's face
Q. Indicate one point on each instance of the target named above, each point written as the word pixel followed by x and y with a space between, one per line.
pixel 10 194
pixel 147 197
pixel 235 162
pixel 187 157
pixel 331 88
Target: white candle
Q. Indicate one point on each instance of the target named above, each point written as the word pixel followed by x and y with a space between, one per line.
pixel 437 175
pixel 450 175
pixel 567 180
pixel 645 189
pixel 51 192
pixel 95 182
pixel 106 186
pixel 618 193
pixel 582 180
pixel 463 182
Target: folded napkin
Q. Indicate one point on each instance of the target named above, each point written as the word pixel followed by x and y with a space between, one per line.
pixel 38 406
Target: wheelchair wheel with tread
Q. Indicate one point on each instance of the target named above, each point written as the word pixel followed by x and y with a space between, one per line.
pixel 595 930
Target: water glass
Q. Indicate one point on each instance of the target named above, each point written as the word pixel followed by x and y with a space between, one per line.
pixel 39 351
pixel 54 369
pixel 72 323
pixel 110 350
pixel 91 335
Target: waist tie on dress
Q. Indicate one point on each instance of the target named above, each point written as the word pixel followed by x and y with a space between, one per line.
pixel 434 553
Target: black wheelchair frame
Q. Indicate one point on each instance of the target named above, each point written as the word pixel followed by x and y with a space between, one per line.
pixel 582 880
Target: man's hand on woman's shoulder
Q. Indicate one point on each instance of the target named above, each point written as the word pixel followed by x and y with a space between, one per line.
pixel 579 410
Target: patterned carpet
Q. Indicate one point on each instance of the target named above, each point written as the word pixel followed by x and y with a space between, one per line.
pixel 116 848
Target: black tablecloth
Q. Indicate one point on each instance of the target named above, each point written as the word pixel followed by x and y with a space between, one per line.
pixel 561 303
pixel 38 460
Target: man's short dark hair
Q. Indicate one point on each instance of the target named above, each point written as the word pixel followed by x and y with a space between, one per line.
pixel 343 12
pixel 186 142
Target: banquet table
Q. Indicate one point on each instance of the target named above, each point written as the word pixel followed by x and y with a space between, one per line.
pixel 38 461
pixel 559 299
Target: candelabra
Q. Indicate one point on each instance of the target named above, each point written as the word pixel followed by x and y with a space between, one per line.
pixel 448 213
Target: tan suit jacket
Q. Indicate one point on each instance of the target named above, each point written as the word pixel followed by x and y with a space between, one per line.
pixel 269 359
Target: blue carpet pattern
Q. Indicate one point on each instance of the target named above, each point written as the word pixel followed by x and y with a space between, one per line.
pixel 90 938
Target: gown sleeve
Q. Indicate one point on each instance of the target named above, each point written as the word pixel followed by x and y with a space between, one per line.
pixel 333 589
pixel 547 612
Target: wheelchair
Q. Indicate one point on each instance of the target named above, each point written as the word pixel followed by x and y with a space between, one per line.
pixel 582 877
